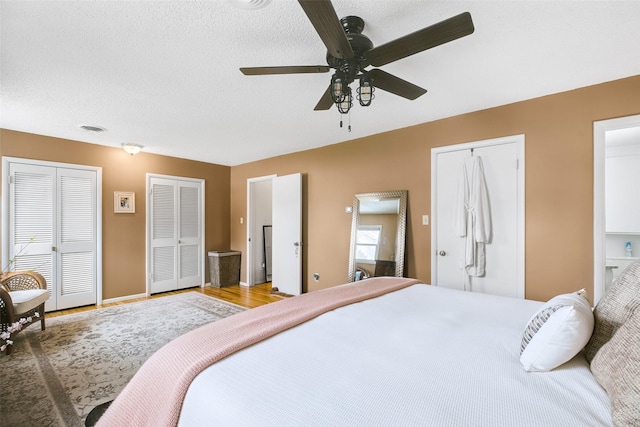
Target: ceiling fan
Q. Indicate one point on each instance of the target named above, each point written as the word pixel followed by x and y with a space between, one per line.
pixel 350 52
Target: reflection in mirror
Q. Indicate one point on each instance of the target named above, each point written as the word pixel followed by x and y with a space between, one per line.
pixel 378 235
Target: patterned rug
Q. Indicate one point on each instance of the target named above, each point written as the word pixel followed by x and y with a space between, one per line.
pixel 56 377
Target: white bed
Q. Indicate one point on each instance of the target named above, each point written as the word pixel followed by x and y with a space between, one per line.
pixel 394 352
pixel 421 355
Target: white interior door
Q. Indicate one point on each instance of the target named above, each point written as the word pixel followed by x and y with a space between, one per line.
pixel 176 230
pixel 190 246
pixel 504 176
pixel 53 229
pixel 163 235
pixel 287 233
pixel 77 238
pixel 32 223
pixel 447 264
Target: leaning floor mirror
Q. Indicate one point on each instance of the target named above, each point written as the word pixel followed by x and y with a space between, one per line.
pixel 378 228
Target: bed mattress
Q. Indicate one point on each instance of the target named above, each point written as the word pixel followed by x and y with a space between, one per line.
pixel 422 355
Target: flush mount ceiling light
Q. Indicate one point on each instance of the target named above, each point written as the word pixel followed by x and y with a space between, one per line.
pixel 132 148
pixel 249 4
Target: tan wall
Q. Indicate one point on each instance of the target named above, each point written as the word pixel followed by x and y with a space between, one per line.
pixel 123 235
pixel 559 188
pixel 559 185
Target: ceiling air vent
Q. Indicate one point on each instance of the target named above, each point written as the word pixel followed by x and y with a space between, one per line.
pixel 249 4
pixel 90 128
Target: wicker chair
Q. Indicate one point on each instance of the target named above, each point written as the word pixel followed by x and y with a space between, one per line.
pixel 22 294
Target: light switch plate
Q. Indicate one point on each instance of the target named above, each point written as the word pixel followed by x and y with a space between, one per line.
pixel 425 219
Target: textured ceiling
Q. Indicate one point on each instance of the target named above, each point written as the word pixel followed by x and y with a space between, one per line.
pixel 164 74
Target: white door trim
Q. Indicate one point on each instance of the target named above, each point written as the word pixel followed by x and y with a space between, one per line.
pixel 600 128
pixel 250 281
pixel 519 141
pixel 5 210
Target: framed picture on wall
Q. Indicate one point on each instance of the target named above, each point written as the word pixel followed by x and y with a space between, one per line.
pixel 124 202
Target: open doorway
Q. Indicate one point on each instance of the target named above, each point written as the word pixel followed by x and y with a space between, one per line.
pixel 277 201
pixel 616 240
pixel 259 215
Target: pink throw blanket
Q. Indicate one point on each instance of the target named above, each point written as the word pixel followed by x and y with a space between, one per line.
pixel 154 395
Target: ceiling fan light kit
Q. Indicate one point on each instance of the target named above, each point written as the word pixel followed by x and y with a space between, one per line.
pixel 349 53
pixel 365 90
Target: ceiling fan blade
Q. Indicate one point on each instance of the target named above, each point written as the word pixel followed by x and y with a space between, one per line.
pixel 325 102
pixel 390 83
pixel 432 36
pixel 325 20
pixel 260 71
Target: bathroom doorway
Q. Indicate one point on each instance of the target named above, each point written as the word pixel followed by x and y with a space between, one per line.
pixel 616 202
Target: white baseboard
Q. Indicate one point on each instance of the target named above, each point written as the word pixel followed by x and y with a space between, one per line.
pixel 125 298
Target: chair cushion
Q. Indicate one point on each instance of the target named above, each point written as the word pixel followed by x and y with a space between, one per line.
pixel 28 299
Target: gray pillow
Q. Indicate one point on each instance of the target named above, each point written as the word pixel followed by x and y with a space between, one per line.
pixel 615 307
pixel 617 368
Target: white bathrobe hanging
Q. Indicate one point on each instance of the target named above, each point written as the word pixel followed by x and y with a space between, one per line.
pixel 472 220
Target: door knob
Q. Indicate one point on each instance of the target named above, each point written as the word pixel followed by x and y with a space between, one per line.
pixel 442 253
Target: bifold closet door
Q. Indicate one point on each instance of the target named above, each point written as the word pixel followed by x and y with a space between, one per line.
pixel 53 230
pixel 175 234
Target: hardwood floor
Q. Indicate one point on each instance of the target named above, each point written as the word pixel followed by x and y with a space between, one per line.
pixel 244 296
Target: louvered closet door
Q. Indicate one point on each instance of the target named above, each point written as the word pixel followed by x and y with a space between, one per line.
pixel 176 234
pixel 190 254
pixel 76 249
pixel 53 230
pixel 32 219
pixel 164 238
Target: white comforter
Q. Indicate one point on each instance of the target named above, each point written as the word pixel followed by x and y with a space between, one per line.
pixel 423 356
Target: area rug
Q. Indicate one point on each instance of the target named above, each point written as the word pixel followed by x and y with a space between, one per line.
pixel 56 377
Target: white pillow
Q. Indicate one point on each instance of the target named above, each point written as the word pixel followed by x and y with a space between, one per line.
pixel 556 332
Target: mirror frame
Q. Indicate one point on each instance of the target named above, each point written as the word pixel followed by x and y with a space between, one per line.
pixel 401 195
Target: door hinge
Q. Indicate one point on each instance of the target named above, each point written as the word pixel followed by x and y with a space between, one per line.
pixel 10 179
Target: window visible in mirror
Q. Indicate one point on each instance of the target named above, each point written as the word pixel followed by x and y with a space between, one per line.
pixel 368 243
